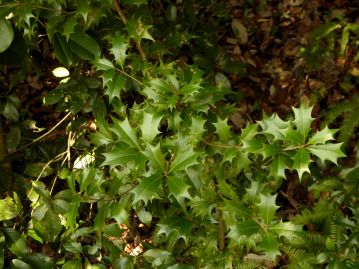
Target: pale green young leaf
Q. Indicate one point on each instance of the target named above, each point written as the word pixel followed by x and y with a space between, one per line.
pixel 144 216
pixel 274 126
pixel 301 161
pixel 155 156
pixel 6 33
pixel 178 188
pixel 271 246
pixel 322 136
pixel 222 130
pixel 138 30
pixel 184 158
pixel 114 87
pixel 269 150
pixel 148 189
pixel 125 132
pixel 229 154
pixel 149 126
pixel 293 137
pixel 287 229
pixel 330 152
pixel 119 48
pixel 303 118
pixel 267 207
pixel 278 166
pixel 249 132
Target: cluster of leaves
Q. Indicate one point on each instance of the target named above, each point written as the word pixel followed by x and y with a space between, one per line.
pixel 162 156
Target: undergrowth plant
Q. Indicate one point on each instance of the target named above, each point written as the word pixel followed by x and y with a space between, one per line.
pixel 149 173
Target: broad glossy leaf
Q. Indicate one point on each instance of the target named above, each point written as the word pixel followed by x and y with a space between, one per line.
pixel 322 136
pixel 158 257
pixel 248 228
pixel 62 49
pixel 303 118
pixel 49 227
pixel 148 189
pixel 119 48
pixel 178 188
pixel 177 224
pixel 330 152
pixel 301 161
pixel 39 260
pixel 223 130
pixel 83 8
pixel 271 246
pixel 85 46
pixel 149 126
pixel 155 156
pixel 125 132
pixel 103 64
pixel 19 264
pixel 15 242
pixel 8 209
pixel 185 158
pixel 6 33
pixel 267 207
pixel 72 264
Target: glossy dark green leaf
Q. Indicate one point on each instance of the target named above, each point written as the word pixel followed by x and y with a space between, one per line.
pixel 15 242
pixel 49 227
pixel 6 33
pixel 148 189
pixel 62 49
pixel 85 46
pixel 13 138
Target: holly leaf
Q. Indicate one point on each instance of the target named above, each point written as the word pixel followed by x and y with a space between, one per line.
pixel 155 156
pixel 278 166
pixel 102 64
pixel 197 129
pixel 330 152
pixel 69 27
pixel 177 224
pixel 114 87
pixel 148 189
pixel 303 118
pixel 119 48
pixel 83 8
pixel 222 130
pixel 271 246
pixel 249 132
pixel 137 30
pixel 286 229
pixel 274 126
pixel 185 157
pixel 301 161
pixel 149 126
pixel 125 132
pixel 121 155
pixel 322 136
pixel 267 207
pixel 179 189
pixel 293 136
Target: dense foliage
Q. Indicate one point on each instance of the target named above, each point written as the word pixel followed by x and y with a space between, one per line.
pixel 143 169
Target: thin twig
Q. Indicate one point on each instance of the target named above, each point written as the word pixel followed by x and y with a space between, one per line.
pixel 124 20
pixel 43 136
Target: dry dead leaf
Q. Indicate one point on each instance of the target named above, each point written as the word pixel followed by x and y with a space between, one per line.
pixel 240 31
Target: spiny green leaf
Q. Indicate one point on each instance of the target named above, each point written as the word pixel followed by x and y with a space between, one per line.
pixel 176 223
pixel 121 155
pixel 102 64
pixel 267 207
pixel 83 8
pixel 119 48
pixel 271 246
pixel 69 27
pixel 293 137
pixel 184 158
pixel 137 30
pixel 125 132
pixel 249 132
pixel 270 150
pixel 330 152
pixel 223 130
pixel 274 125
pixel 155 156
pixel 303 119
pixel 287 229
pixel 197 129
pixel 278 166
pixel 301 161
pixel 148 189
pixel 179 189
pixel 322 136
pixel 149 126
pixel 114 87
